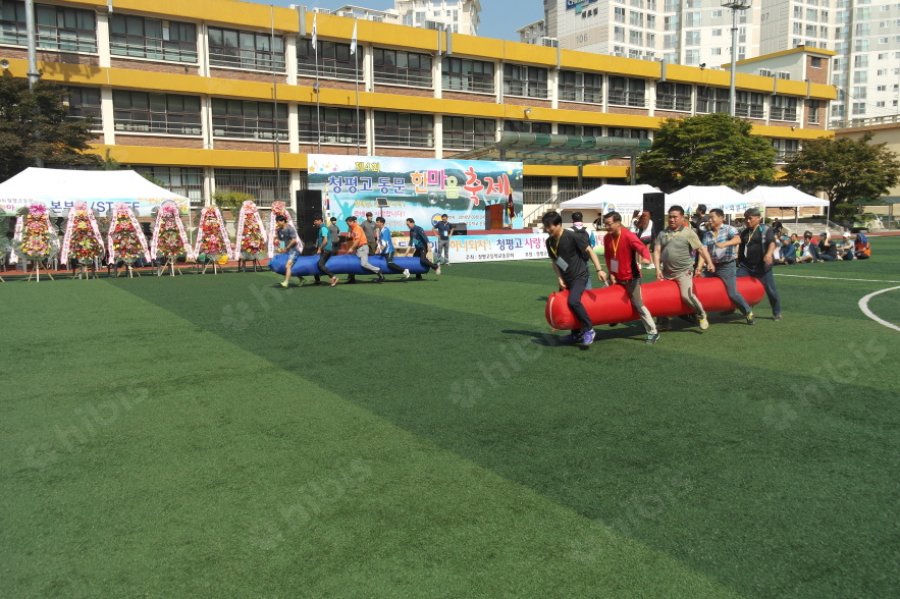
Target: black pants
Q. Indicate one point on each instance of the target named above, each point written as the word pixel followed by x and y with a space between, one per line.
pixel 389 258
pixel 422 255
pixel 323 258
pixel 576 289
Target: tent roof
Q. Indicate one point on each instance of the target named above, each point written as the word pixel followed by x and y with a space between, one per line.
pixel 541 148
pixel 60 185
pixel 784 196
pixel 621 196
pixel 713 196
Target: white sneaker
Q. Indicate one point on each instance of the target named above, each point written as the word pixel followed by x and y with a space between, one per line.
pixel 405 273
pixel 437 270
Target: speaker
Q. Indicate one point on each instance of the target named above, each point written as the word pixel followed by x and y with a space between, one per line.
pixel 309 200
pixel 656 204
pixel 309 206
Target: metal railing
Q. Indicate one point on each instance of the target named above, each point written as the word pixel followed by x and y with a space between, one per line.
pixel 535 212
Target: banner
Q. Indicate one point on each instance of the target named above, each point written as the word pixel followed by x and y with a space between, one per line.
pixel 418 188
pixel 489 248
pixel 142 207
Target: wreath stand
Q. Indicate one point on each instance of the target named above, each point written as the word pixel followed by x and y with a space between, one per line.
pixel 242 262
pixel 170 262
pixel 215 264
pixel 36 273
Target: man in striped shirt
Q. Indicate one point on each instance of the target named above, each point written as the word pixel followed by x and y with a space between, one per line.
pixel 722 241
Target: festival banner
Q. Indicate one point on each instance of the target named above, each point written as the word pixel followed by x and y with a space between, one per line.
pixel 418 188
pixel 101 208
pixel 490 248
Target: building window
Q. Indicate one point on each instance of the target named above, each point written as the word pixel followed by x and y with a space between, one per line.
pixel 58 28
pixel 527 127
pixel 464 133
pixel 402 68
pixel 140 37
pixel 625 91
pixel 142 112
pixel 399 129
pixel 785 149
pixel 812 111
pixel 336 126
pixel 467 75
pixel 334 60
pixel 84 105
pixel 184 181
pixel 521 80
pixel 580 87
pixel 246 50
pixel 628 133
pixel 713 99
pixel 815 62
pixel 249 120
pixel 263 186
pixel 783 109
pixel 749 104
pixel 580 130
pixel 673 96
pixel 619 14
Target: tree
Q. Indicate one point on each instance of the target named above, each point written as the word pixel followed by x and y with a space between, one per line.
pixel 847 170
pixel 713 149
pixel 35 125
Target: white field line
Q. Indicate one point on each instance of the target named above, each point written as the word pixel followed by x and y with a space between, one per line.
pixel 864 306
pixel 836 278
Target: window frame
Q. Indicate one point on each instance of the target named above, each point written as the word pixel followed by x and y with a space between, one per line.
pixel 137 45
pixel 234 54
pixel 245 119
pixel 404 130
pixel 184 122
pixel 401 72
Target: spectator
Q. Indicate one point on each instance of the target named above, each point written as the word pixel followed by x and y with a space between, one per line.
pixel 643 228
pixel 863 250
pixel 808 250
pixel 827 249
pixel 847 249
pixel 789 249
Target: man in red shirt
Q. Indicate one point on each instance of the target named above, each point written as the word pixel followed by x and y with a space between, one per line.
pixel 621 248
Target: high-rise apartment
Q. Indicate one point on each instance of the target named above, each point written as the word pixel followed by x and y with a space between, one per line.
pixel 865 34
pixel 459 16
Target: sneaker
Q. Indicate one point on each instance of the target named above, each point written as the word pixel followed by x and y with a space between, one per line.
pixel 334 281
pixel 778 317
pixel 284 284
pixel 652 338
pixel 437 270
pixel 405 273
pixel 750 319
pixel 588 337
pixel 573 337
pixel 380 278
pixel 704 324
pixel 663 323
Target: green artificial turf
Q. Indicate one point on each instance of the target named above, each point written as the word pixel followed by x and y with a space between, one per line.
pixel 216 436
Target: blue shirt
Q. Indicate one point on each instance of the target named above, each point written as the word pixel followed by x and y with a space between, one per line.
pixel 386 241
pixel 721 255
pixel 324 240
pixel 443 229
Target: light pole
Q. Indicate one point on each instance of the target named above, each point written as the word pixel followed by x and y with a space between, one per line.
pixel 735 6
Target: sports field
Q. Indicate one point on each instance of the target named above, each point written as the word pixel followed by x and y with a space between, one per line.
pixel 216 436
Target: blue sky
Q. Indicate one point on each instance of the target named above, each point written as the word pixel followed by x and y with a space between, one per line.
pixel 499 18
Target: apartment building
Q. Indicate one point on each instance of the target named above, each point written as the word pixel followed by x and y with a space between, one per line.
pixel 223 95
pixel 865 34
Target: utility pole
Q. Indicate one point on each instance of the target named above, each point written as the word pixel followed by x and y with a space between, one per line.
pixel 735 6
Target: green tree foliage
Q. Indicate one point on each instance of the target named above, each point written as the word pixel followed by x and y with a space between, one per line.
pixel 847 170
pixel 713 149
pixel 35 125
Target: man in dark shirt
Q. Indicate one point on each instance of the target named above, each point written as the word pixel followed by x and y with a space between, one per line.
pixel 755 257
pixel 371 230
pixel 569 251
pixel 444 231
pixel 418 246
pixel 827 249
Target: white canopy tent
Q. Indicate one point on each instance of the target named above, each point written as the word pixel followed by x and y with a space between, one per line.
pixel 785 196
pixel 624 199
pixel 712 196
pixel 59 189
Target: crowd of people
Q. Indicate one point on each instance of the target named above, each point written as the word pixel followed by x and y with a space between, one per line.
pixel 703 246
pixel 371 237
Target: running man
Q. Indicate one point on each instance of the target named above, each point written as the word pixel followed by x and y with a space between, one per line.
pixel 359 245
pixel 621 248
pixel 569 251
pixel 418 246
pixel 755 256
pixel 324 249
pixel 674 260
pixel 721 241
pixel 287 244
pixel 386 247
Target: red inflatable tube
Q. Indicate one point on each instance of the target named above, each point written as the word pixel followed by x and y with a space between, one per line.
pixel 611 304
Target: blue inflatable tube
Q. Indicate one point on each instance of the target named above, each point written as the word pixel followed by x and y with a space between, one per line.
pixel 344 264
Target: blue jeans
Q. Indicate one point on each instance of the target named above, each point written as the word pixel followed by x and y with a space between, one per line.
pixel 727 272
pixel 768 280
